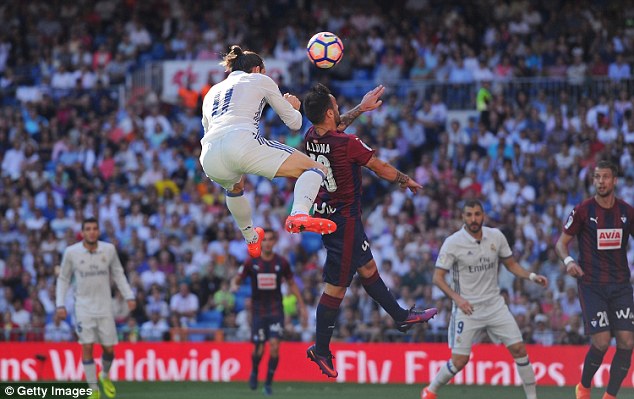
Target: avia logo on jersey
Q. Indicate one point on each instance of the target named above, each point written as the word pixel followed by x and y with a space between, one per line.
pixel 318 147
pixel 624 314
pixel 609 238
pixel 267 281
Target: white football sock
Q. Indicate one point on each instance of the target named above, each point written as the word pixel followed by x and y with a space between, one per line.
pixel 241 211
pixel 525 370
pixel 91 375
pixel 446 373
pixel 306 189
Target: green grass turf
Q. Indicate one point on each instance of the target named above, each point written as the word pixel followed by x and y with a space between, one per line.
pixel 300 390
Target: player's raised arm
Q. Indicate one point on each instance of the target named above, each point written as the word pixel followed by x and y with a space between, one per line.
pixel 388 172
pixel 371 101
pixel 286 106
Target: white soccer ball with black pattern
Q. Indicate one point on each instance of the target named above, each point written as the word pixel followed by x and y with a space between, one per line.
pixel 324 50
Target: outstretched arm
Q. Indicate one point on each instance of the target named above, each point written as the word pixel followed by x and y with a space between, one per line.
pixel 370 101
pixel 388 172
pixel 515 268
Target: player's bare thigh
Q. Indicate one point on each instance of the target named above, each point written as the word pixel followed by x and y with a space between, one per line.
pixel 296 164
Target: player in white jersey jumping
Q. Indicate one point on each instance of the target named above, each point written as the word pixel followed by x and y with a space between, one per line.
pixel 473 254
pixel 232 146
pixel 91 263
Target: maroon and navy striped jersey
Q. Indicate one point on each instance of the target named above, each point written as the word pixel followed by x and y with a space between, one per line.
pixel 343 155
pixel 602 235
pixel 266 282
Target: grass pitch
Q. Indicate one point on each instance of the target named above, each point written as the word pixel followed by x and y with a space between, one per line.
pixel 295 390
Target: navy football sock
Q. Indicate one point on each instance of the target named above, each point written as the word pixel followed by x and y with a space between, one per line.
pixel 376 288
pixel 618 370
pixel 272 366
pixel 327 312
pixel 591 364
pixel 255 362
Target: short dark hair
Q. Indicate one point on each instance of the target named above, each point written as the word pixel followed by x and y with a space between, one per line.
pixel 270 230
pixel 472 203
pixel 241 60
pixel 607 164
pixel 89 220
pixel 316 103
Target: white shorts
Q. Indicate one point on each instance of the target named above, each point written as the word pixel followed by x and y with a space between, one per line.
pixel 101 330
pixel 226 158
pixel 492 317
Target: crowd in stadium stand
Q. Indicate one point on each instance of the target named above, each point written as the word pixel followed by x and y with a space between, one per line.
pixel 68 150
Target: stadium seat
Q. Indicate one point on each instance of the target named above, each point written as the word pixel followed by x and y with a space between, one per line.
pixel 203 336
pixel 240 300
pixel 244 290
pixel 212 317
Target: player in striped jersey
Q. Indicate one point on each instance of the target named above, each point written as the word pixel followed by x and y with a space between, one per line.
pixel 267 313
pixel 339 200
pixel 472 254
pixel 233 147
pixel 603 225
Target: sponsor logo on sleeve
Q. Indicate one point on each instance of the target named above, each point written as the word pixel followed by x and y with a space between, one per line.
pixel 442 258
pixel 569 221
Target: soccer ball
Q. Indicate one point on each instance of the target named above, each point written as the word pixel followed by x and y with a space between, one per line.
pixel 325 50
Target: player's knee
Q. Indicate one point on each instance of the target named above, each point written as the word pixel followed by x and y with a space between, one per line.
pixel 108 352
pixel 368 270
pixel 320 167
pixel 518 350
pixel 625 341
pixel 459 362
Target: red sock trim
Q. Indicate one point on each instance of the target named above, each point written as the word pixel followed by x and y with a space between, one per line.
pixel 372 279
pixel 330 301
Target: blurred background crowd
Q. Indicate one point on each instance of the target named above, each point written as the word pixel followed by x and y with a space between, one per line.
pixel 548 84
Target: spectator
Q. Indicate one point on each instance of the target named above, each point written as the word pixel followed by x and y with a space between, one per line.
pixel 619 69
pixel 542 334
pixel 58 330
pixel 154 329
pixel 185 305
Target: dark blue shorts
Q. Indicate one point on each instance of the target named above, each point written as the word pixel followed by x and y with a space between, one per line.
pixel 347 249
pixel 607 307
pixel 264 328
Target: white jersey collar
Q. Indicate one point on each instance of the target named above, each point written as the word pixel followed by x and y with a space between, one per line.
pixel 472 239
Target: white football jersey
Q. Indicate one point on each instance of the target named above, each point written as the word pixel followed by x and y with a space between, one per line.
pixel 237 102
pixel 474 264
pixel 91 272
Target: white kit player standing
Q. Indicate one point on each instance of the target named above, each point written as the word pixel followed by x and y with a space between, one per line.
pixel 472 254
pixel 232 146
pixel 91 263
